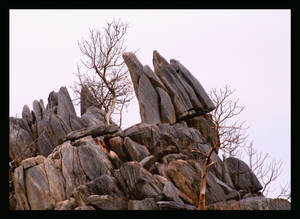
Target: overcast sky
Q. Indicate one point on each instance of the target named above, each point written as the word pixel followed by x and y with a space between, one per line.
pixel 247 49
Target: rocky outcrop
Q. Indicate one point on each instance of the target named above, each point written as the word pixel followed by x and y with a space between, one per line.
pixel 170 92
pixel 252 203
pixel 78 163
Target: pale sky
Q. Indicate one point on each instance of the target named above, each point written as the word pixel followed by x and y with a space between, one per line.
pixel 247 49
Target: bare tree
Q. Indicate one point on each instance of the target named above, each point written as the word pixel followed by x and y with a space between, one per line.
pixel 228 135
pixel 231 134
pixel 285 192
pixel 266 171
pixel 109 83
pixel 231 138
pixel 207 164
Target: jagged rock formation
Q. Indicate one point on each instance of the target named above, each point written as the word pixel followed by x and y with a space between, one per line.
pixel 168 94
pixel 78 163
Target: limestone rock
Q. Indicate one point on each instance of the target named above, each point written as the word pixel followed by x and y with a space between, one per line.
pixel 93 117
pixel 253 203
pixel 103 185
pixel 170 191
pixel 135 69
pixel 38 109
pixel 94 131
pixel 116 144
pixel 143 133
pixel 242 176
pixel 145 204
pixel 168 76
pixel 85 208
pixel 137 182
pixel 65 108
pixel 167 111
pixel 148 161
pixel 86 99
pixel 155 81
pixel 148 101
pixel 172 205
pixel 21 145
pixel 68 204
pixel 106 202
pixel 27 115
pixel 136 151
pixel 199 90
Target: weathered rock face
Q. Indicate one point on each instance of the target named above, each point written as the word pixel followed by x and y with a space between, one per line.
pixel 253 203
pixel 242 176
pixel 171 92
pixel 78 163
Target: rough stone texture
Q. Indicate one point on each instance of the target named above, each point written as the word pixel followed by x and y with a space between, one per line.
pixel 171 205
pixel 177 90
pixel 254 203
pixel 206 127
pixel 106 202
pixel 242 176
pixel 171 192
pixel 199 90
pixel 72 163
pixel 42 182
pixel 116 144
pixel 65 205
pixel 137 182
pixel 148 161
pixel 85 208
pixel 145 204
pixel 94 131
pixel 167 111
pixel 103 185
pixel 135 69
pixel 168 76
pixel 148 101
pixel 93 117
pixel 65 108
pixel 86 99
pixel 136 151
pixel 38 109
pixel 19 138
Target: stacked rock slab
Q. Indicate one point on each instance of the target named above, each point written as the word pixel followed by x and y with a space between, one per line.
pixel 144 167
pixel 169 94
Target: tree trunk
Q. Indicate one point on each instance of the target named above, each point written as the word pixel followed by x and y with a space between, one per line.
pixel 207 164
pixel 110 111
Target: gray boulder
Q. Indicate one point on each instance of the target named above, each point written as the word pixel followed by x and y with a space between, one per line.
pixel 38 109
pixel 145 204
pixel 103 185
pixel 167 111
pixel 137 182
pixel 86 99
pixel 242 176
pixel 148 101
pixel 195 84
pixel 172 205
pixel 168 76
pixel 136 151
pixel 135 69
pixel 65 108
pixel 116 144
pixel 94 131
pixel 106 202
pixel 171 192
pixel 21 145
pixel 253 203
pixel 42 182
